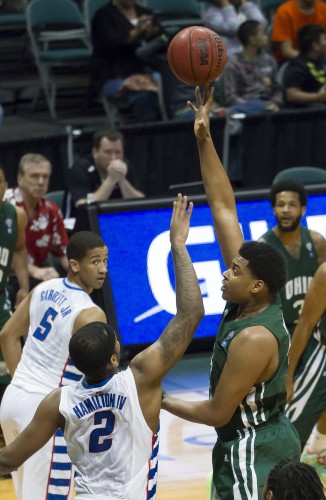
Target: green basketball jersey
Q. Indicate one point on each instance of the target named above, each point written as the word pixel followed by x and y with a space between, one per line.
pixel 300 273
pixel 8 240
pixel 265 400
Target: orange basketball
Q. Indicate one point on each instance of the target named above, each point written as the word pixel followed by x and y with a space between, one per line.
pixel 197 55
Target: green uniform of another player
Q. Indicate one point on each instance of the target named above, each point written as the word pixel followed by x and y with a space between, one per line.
pixel 300 273
pixel 8 240
pixel 310 389
pixel 309 398
pixel 248 446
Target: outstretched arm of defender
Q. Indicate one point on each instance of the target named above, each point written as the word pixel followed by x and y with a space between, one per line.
pixel 151 365
pixel 218 189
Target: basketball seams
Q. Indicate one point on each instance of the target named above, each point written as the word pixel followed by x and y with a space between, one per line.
pixel 190 55
pixel 211 52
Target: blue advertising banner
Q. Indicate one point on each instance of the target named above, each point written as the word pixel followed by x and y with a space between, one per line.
pixel 141 268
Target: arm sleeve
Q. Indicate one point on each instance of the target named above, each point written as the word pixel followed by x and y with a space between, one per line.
pixel 282 31
pixel 294 77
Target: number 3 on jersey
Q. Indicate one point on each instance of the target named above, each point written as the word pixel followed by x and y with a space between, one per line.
pixel 99 439
pixel 44 329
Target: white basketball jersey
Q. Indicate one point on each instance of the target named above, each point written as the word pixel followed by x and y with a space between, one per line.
pixel 45 363
pixel 108 440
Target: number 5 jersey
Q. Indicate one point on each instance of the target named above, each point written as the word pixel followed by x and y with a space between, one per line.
pixel 45 363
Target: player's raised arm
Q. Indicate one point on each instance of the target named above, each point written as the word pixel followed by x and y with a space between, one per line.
pixel 152 364
pixel 313 309
pixel 218 189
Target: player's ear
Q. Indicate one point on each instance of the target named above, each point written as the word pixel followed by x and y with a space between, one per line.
pixel 269 495
pixel 257 286
pixel 114 360
pixel 73 264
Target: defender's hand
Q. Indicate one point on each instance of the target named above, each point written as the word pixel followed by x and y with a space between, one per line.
pixel 180 221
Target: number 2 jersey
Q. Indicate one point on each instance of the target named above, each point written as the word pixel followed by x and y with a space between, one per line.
pixel 109 442
pixel 45 363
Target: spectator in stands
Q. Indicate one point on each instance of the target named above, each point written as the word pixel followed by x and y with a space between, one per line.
pixel 118 29
pixel 45 232
pixel 250 83
pixel 289 18
pixel 304 77
pixel 225 17
pixel 250 86
pixel 104 174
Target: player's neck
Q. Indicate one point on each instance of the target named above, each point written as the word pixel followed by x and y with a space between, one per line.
pixel 101 377
pixel 253 307
pixel 74 278
pixel 288 237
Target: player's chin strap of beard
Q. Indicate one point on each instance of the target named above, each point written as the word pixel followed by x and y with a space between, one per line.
pixel 147 49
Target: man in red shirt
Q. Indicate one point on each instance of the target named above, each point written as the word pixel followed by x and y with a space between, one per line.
pixel 45 231
pixel 289 18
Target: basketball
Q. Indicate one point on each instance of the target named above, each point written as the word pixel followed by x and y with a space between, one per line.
pixel 196 55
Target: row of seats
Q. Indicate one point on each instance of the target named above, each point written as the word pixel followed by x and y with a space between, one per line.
pixel 60 36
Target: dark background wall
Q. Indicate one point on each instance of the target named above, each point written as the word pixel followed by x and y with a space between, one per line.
pixel 166 153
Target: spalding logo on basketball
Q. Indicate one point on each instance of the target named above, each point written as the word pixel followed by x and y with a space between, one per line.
pixel 197 55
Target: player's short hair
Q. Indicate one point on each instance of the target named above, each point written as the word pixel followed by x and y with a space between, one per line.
pixel 294 480
pixel 81 242
pixel 308 35
pixel 92 346
pixel 295 187
pixel 265 263
pixel 110 134
pixel 246 30
pixel 31 158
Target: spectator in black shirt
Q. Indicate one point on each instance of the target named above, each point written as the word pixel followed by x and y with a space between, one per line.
pixel 305 76
pixel 104 174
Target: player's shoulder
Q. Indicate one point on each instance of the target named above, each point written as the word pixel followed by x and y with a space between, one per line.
pixel 320 245
pixel 253 341
pixel 320 274
pixel 316 236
